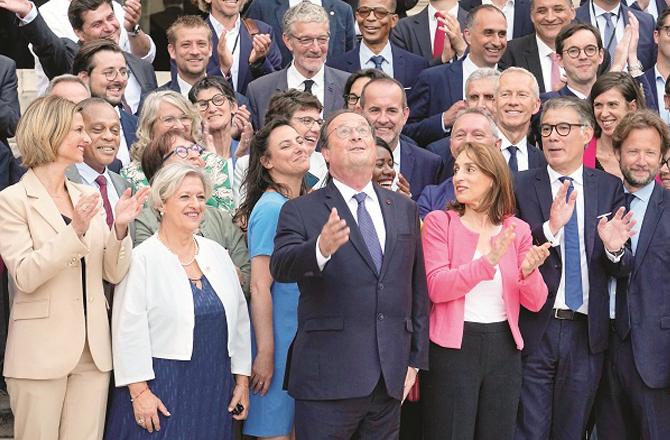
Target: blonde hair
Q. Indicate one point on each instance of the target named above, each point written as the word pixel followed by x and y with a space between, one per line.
pixel 169 179
pixel 43 128
pixel 149 116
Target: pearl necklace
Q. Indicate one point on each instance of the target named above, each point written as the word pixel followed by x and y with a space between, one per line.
pixel 195 252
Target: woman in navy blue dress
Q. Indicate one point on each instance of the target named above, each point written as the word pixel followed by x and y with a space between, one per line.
pixel 180 326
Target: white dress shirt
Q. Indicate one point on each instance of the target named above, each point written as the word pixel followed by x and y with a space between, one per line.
pixel 577 93
pixel 599 22
pixel 660 93
pixel 432 22
pixel 364 55
pixel 295 80
pixel 544 53
pixel 153 310
pixel 559 239
pixel 184 87
pixel 88 176
pixel 508 10
pixel 123 154
pixel 521 154
pixel 371 205
pixel 232 42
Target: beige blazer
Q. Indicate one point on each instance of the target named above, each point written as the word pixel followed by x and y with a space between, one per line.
pixel 46 324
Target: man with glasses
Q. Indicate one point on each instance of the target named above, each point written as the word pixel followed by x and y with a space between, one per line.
pixel 376 19
pixel 354 249
pixel 102 66
pixel 306 34
pixel 569 206
pixel 658 74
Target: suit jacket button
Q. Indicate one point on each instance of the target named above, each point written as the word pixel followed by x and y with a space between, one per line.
pixel 380 317
pixel 380 286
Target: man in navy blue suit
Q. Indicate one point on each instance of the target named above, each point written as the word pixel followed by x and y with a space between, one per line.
pixel 384 104
pixel 437 95
pixel 635 400
pixel 568 205
pixel 658 74
pixel 375 19
pixel 354 249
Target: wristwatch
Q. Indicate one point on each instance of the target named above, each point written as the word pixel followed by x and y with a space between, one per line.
pixel 135 31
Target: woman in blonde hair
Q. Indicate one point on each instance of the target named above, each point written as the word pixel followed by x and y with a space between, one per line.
pixel 58 249
pixel 168 110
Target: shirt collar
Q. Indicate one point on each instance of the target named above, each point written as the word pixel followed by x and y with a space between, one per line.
pixel 295 78
pixel 431 12
pixel 218 27
pixel 366 53
pixel 577 93
pixel 644 193
pixel 522 145
pixel 577 176
pixel 600 11
pixel 470 66
pixel 658 74
pixel 88 174
pixel 542 49
pixel 184 87
pixel 348 192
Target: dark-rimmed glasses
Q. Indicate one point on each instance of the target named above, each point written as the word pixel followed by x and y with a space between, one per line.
pixel 574 51
pixel 666 162
pixel 351 98
pixel 217 100
pixel 562 128
pixel 182 151
pixel 380 13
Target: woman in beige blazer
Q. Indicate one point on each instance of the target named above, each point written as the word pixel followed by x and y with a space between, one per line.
pixel 58 249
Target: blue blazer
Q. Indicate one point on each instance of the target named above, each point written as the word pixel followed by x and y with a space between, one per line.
pixel 342 33
pixel 436 89
pixel 406 65
pixel 353 329
pixel 652 96
pixel 436 197
pixel 419 166
pixel 647 294
pixel 646 48
pixel 442 147
pixel 272 62
pixel 603 193
pixel 522 24
pixel 129 125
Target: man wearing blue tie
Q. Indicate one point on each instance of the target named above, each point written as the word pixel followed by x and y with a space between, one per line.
pixel 568 205
pixel 634 401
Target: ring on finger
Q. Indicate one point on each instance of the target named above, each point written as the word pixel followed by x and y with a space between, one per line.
pixel 140 421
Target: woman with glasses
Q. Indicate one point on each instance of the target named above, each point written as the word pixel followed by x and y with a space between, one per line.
pixel 278 162
pixel 161 112
pixel 355 83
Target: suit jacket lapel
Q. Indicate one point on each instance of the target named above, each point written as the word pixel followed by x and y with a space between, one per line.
pixel 422 33
pixel 398 65
pixel 120 184
pixel 213 65
pixel 533 57
pixel 651 218
pixel 590 210
pixel 388 213
pixel 406 162
pixel 72 173
pixel 329 92
pixel 41 201
pixel 457 85
pixel 245 50
pixel 334 200
pixel 354 60
pixel 128 128
pixel 543 191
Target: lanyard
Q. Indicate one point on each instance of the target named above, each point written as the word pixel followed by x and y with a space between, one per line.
pixel 595 19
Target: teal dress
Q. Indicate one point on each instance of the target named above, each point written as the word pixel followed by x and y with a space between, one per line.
pixel 272 414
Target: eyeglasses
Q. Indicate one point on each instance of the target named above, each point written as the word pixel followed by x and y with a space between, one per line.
pixel 111 74
pixel 351 98
pixel 345 132
pixel 217 100
pixel 307 41
pixel 589 51
pixel 666 162
pixel 562 128
pixel 309 121
pixel 182 151
pixel 665 29
pixel 380 13
pixel 171 121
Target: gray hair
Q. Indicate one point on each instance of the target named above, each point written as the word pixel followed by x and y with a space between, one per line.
pixel 64 78
pixel 485 114
pixel 580 106
pixel 483 73
pixel 535 88
pixel 169 179
pixel 304 12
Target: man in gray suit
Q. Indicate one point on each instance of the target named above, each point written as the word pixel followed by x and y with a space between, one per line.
pixel 306 28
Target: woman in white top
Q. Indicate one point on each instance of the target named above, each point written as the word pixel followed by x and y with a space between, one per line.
pixel 180 326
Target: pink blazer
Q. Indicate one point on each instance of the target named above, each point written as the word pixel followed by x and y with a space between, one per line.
pixel 448 248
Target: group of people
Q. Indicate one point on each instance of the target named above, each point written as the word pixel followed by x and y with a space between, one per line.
pixel 333 222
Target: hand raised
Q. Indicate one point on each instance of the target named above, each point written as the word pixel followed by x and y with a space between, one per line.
pixel 449 116
pixel 87 207
pixel 616 232
pixel 333 235
pixel 225 54
pixel 534 258
pixel 19 7
pixel 260 46
pixel 403 186
pixel 561 211
pixel 500 244
pixel 132 13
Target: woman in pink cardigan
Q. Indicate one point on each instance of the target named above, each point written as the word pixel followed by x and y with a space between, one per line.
pixel 480 265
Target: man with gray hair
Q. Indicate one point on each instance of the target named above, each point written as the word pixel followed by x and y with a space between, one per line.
pixel 69 87
pixel 306 34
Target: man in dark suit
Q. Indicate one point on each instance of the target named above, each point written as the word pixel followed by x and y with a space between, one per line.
pixel 536 52
pixel 102 66
pixel 610 17
pixel 634 401
pixel 341 24
pixel 658 74
pixel 354 249
pixel 376 19
pixel 651 7
pixel 384 104
pixel 9 99
pixel 419 33
pixel 517 13
pixel 57 54
pixel 438 92
pixel 568 205
pixel 308 41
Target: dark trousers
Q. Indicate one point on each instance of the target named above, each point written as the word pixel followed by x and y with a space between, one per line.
pixel 374 417
pixel 627 409
pixel 560 379
pixel 473 393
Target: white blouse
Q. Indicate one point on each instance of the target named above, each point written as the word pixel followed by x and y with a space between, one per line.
pixel 485 303
pixel 153 314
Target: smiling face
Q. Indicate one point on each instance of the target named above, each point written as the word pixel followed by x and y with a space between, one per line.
pixel 470 183
pixel 470 128
pixel 609 108
pixel 375 30
pixel 487 38
pixel 226 8
pixel 309 132
pixel 385 111
pixel 350 148
pixel 217 117
pixel 549 17
pixel 286 155
pixel 309 55
pixel 193 157
pixel 581 70
pixel 564 153
pixel 185 208
pixel 169 117
pixel 516 100
pixel 107 64
pixel 103 126
pixel 71 150
pixel 640 157
pixel 99 23
pixel 191 51
pixel 384 173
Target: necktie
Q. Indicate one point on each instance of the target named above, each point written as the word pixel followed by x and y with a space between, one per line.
pixel 438 39
pixel 628 199
pixel 109 214
pixel 610 45
pixel 573 268
pixel 308 85
pixel 124 105
pixel 378 60
pixel 368 231
pixel 556 82
pixel 513 163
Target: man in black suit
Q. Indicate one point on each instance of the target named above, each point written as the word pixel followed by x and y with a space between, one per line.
pixel 354 249
pixel 536 52
pixel 517 13
pixel 568 205
pixel 384 104
pixel 9 99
